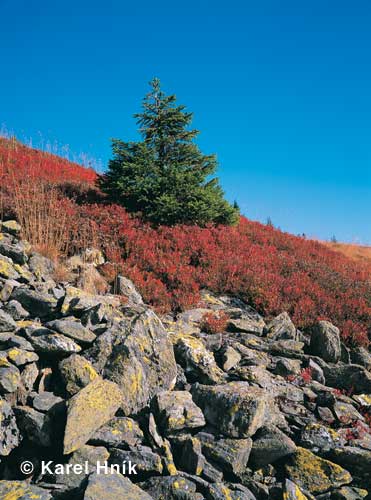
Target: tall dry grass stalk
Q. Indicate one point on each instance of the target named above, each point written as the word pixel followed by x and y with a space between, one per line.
pixel 44 215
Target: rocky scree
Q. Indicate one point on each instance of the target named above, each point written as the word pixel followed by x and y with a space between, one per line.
pixel 258 411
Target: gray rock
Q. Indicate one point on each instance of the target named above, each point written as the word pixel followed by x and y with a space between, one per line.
pixel 46 341
pixel 88 410
pixel 113 487
pixel 229 358
pixel 292 491
pixel 316 371
pixel 22 490
pixel 235 409
pixel 41 266
pixel 11 227
pixel 349 377
pixel 35 425
pixel 188 454
pixel 281 328
pixel 325 341
pixel 141 360
pixel 231 455
pixel 7 323
pixel 45 401
pixel 16 311
pixel 315 474
pixel 76 372
pixel 319 437
pixel 221 491
pixel 197 361
pixel 37 304
pixel 361 356
pixel 9 432
pixel 21 357
pixel 72 329
pixel 119 432
pixel 16 252
pixel 88 456
pixel 126 287
pixel 147 462
pixel 286 366
pixel 171 488
pixel 349 493
pixel 270 444
pixel 7 269
pixel 354 459
pixel 29 376
pixel 10 378
pixel 176 410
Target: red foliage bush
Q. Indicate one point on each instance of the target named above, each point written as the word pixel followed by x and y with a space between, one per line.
pixel 269 269
pixel 214 322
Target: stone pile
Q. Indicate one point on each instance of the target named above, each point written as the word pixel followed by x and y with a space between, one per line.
pixel 258 411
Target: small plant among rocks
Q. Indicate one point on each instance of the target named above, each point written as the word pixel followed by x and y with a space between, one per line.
pixel 303 378
pixel 214 322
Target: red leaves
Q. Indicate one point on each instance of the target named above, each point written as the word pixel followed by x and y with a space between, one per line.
pixel 214 322
pixel 272 270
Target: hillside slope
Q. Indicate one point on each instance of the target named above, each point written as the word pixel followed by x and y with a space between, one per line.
pixel 269 269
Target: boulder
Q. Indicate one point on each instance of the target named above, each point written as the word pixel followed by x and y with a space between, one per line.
pixel 188 454
pixel 176 410
pixel 45 401
pixel 9 432
pixel 113 487
pixel 231 455
pixel 35 425
pixel 270 444
pixel 171 488
pixel 10 378
pixel 292 491
pixel 126 288
pixel 119 432
pixel 350 377
pixel 235 409
pixel 88 410
pixel 325 341
pixel 45 341
pixel 76 372
pixel 22 490
pixel 72 329
pixel 229 358
pixel 38 304
pixel 281 328
pixel 361 356
pixel 147 462
pixel 7 269
pixel 141 360
pixel 315 474
pixel 7 323
pixel 197 361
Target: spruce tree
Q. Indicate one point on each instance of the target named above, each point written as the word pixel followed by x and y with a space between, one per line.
pixel 165 178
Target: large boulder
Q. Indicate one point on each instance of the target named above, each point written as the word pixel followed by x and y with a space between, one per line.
pixel 22 490
pixel 38 304
pixel 7 323
pixel 281 328
pixel 270 444
pixel 141 359
pixel 76 372
pixel 325 341
pixel 236 409
pixel 315 474
pixel 113 487
pixel 198 363
pixel 176 410
pixel 9 432
pixel 350 377
pixel 88 410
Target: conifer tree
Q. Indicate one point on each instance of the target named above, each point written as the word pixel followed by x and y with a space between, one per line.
pixel 165 178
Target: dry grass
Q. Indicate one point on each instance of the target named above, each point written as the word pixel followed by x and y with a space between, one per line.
pixel 353 251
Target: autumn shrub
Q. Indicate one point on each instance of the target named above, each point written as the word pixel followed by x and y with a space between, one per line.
pixel 271 270
pixel 214 322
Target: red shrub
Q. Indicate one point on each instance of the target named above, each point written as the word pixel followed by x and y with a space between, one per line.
pixel 214 322
pixel 269 269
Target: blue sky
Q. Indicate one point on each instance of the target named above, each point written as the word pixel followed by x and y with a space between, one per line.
pixel 281 91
